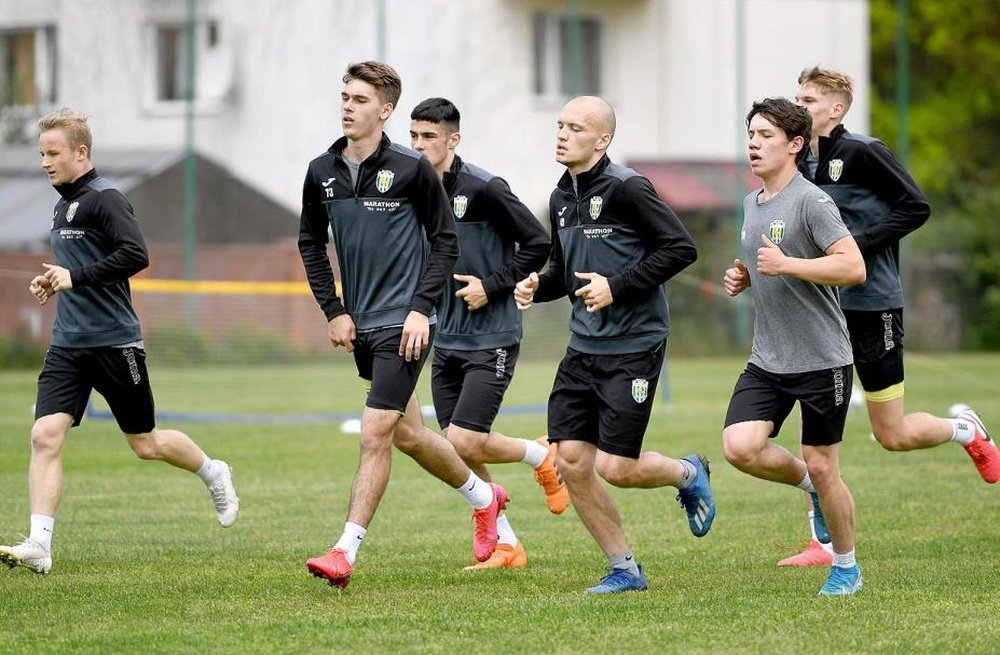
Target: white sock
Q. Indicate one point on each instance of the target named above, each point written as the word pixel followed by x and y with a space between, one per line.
pixel 806 484
pixel 209 471
pixel 41 530
pixel 534 453
pixel 477 492
pixel 812 528
pixel 962 431
pixel 690 473
pixel 351 540
pixel 844 561
pixel 505 533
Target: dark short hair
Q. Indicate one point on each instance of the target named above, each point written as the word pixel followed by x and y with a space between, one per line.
pixel 791 118
pixel 438 111
pixel 382 76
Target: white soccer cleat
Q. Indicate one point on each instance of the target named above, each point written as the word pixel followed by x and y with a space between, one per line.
pixel 29 553
pixel 227 503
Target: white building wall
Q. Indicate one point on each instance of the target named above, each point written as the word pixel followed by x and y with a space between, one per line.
pixel 670 69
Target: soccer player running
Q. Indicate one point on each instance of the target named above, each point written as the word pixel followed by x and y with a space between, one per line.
pixel 96 338
pixel 479 327
pixel 615 244
pixel 881 204
pixel 798 249
pixel 396 246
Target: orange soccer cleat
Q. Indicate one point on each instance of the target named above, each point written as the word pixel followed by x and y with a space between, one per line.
pixel 548 478
pixel 504 557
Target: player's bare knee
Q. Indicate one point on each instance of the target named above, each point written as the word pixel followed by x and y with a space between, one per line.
pixel 890 439
pixel 468 445
pixel 573 469
pixel 45 438
pixel 822 471
pixel 616 474
pixel 405 436
pixel 740 453
pixel 145 446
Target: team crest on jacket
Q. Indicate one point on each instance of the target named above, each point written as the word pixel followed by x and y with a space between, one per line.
pixel 640 390
pixel 836 168
pixel 384 180
pixel 595 207
pixel 776 231
pixel 460 204
pixel 71 212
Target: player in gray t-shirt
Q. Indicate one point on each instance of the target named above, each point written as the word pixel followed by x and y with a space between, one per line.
pixel 798 249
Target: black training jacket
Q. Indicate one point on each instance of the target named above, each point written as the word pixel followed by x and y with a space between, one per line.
pixel 880 204
pixel 501 242
pixel 614 224
pixel 96 237
pixel 393 233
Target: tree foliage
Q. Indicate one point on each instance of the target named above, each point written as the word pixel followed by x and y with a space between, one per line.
pixel 954 137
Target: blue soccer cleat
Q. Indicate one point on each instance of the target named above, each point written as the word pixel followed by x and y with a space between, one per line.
pixel 697 499
pixel 818 521
pixel 842 581
pixel 618 581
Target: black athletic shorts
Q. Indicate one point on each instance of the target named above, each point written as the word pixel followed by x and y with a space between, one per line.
pixel 392 378
pixel 118 374
pixel 468 385
pixel 823 396
pixel 605 399
pixel 877 341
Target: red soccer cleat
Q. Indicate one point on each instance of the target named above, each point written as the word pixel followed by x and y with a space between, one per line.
pixel 484 539
pixel 982 449
pixel 333 567
pixel 813 555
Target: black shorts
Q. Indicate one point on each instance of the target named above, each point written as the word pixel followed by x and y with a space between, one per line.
pixel 468 385
pixel 118 374
pixel 877 341
pixel 392 378
pixel 605 399
pixel 824 397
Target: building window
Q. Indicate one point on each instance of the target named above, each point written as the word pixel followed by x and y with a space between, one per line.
pixel 567 54
pixel 27 80
pixel 213 66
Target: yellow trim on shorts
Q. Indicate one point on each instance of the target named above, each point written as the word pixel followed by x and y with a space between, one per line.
pixel 367 385
pixel 885 395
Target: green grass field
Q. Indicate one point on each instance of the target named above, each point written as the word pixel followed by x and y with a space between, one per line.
pixel 142 567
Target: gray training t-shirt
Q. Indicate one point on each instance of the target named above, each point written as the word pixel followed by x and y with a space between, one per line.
pixel 798 325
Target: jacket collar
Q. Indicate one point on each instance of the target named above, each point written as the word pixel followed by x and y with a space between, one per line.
pixel 72 188
pixel 337 149
pixel 826 141
pixel 450 178
pixel 585 179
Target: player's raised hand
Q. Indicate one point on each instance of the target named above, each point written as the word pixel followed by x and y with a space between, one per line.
pixel 472 293
pixel 596 294
pixel 524 292
pixel 59 277
pixel 41 289
pixel 736 279
pixel 770 259
pixel 342 332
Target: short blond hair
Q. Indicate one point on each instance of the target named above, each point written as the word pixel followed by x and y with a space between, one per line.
pixel 72 122
pixel 830 81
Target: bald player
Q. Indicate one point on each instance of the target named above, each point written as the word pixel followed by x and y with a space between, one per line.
pixel 617 244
